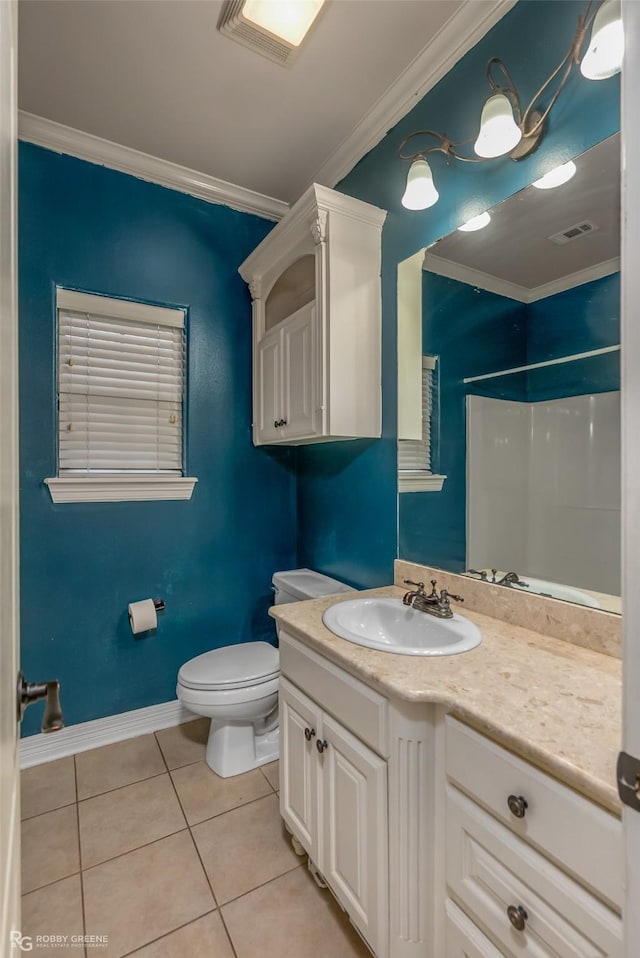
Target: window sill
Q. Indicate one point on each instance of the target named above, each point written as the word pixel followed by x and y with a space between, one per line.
pixel 119 488
pixel 420 482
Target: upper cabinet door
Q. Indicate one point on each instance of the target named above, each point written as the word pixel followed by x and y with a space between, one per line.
pixel 268 397
pixel 299 365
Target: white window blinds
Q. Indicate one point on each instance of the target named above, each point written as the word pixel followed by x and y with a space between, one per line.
pixel 414 455
pixel 120 386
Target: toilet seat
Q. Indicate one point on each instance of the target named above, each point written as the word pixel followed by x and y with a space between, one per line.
pixel 232 667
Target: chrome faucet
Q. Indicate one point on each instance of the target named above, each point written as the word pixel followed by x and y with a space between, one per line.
pixel 433 603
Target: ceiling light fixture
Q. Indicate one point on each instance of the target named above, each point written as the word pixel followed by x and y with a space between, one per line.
pixel 556 177
pixel 273 28
pixel 475 223
pixel 506 128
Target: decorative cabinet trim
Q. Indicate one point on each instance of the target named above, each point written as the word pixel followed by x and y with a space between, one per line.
pixel 119 488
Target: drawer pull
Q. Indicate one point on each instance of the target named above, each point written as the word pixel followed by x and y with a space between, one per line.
pixel 309 733
pixel 321 746
pixel 517 916
pixel 517 805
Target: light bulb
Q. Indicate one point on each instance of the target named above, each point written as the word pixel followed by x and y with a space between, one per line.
pixel 475 223
pixel 420 193
pixel 603 59
pixel 556 177
pixel 499 132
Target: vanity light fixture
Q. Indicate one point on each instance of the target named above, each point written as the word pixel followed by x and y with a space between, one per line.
pixel 273 28
pixel 556 177
pixel 475 223
pixel 506 128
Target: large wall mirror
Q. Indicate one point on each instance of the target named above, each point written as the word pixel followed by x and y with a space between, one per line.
pixel 509 392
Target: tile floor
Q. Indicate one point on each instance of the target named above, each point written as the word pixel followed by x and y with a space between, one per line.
pixel 142 842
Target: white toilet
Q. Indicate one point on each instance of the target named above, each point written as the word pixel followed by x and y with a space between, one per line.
pixel 237 686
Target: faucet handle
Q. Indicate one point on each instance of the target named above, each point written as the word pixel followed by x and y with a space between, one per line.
pixel 419 585
pixel 445 596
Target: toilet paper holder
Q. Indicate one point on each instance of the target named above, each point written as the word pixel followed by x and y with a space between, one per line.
pixel 159 605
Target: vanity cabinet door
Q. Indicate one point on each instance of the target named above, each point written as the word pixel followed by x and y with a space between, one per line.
pixel 354 860
pixel 300 728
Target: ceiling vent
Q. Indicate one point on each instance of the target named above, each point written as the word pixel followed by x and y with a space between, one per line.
pixel 235 24
pixel 574 232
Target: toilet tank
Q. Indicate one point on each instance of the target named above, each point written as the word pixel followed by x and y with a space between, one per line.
pixel 298 584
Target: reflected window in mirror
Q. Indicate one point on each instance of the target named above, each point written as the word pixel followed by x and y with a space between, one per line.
pixel 418 457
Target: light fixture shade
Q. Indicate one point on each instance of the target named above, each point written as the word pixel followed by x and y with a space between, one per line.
pixel 556 177
pixel 420 193
pixel 290 20
pixel 475 223
pixel 499 132
pixel 603 59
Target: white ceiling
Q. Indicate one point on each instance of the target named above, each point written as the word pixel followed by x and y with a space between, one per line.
pixel 515 247
pixel 156 75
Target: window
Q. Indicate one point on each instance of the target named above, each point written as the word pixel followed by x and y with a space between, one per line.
pixel 417 457
pixel 121 379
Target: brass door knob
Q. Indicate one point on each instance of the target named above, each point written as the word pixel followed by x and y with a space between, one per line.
pixel 517 805
pixel 517 917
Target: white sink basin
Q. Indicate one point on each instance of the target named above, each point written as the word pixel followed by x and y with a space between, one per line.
pixel 390 626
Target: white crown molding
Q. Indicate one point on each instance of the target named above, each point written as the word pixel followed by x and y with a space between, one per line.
pixel 94 149
pixel 522 294
pixel 587 275
pixel 474 277
pixel 458 35
pixel 36 749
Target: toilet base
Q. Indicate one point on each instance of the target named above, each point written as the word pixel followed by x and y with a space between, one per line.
pixel 236 748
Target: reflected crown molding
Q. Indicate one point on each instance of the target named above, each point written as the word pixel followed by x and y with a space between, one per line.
pixel 522 294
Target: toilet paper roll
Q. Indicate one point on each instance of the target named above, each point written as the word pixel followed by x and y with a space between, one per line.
pixel 142 616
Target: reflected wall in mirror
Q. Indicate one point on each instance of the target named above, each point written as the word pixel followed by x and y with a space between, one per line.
pixel 523 317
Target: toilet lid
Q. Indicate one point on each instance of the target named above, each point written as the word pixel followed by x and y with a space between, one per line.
pixel 232 667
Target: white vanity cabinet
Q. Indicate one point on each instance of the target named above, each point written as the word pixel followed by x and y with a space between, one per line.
pixel 536 867
pixel 438 842
pixel 315 287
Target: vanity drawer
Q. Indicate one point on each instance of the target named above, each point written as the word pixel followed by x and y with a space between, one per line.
pixel 354 704
pixel 579 835
pixel 490 870
pixel 464 939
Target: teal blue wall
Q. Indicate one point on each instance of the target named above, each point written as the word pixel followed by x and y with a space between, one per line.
pixel 347 497
pixel 212 558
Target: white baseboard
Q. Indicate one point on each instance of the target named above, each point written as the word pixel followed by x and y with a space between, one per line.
pixel 36 749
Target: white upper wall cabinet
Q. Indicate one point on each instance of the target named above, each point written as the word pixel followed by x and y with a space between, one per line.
pixel 315 286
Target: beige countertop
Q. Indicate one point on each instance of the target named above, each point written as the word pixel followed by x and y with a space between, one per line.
pixel 551 702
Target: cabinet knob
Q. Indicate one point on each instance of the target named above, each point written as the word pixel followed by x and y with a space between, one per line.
pixel 309 733
pixel 283 422
pixel 517 917
pixel 275 423
pixel 517 805
pixel 321 745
